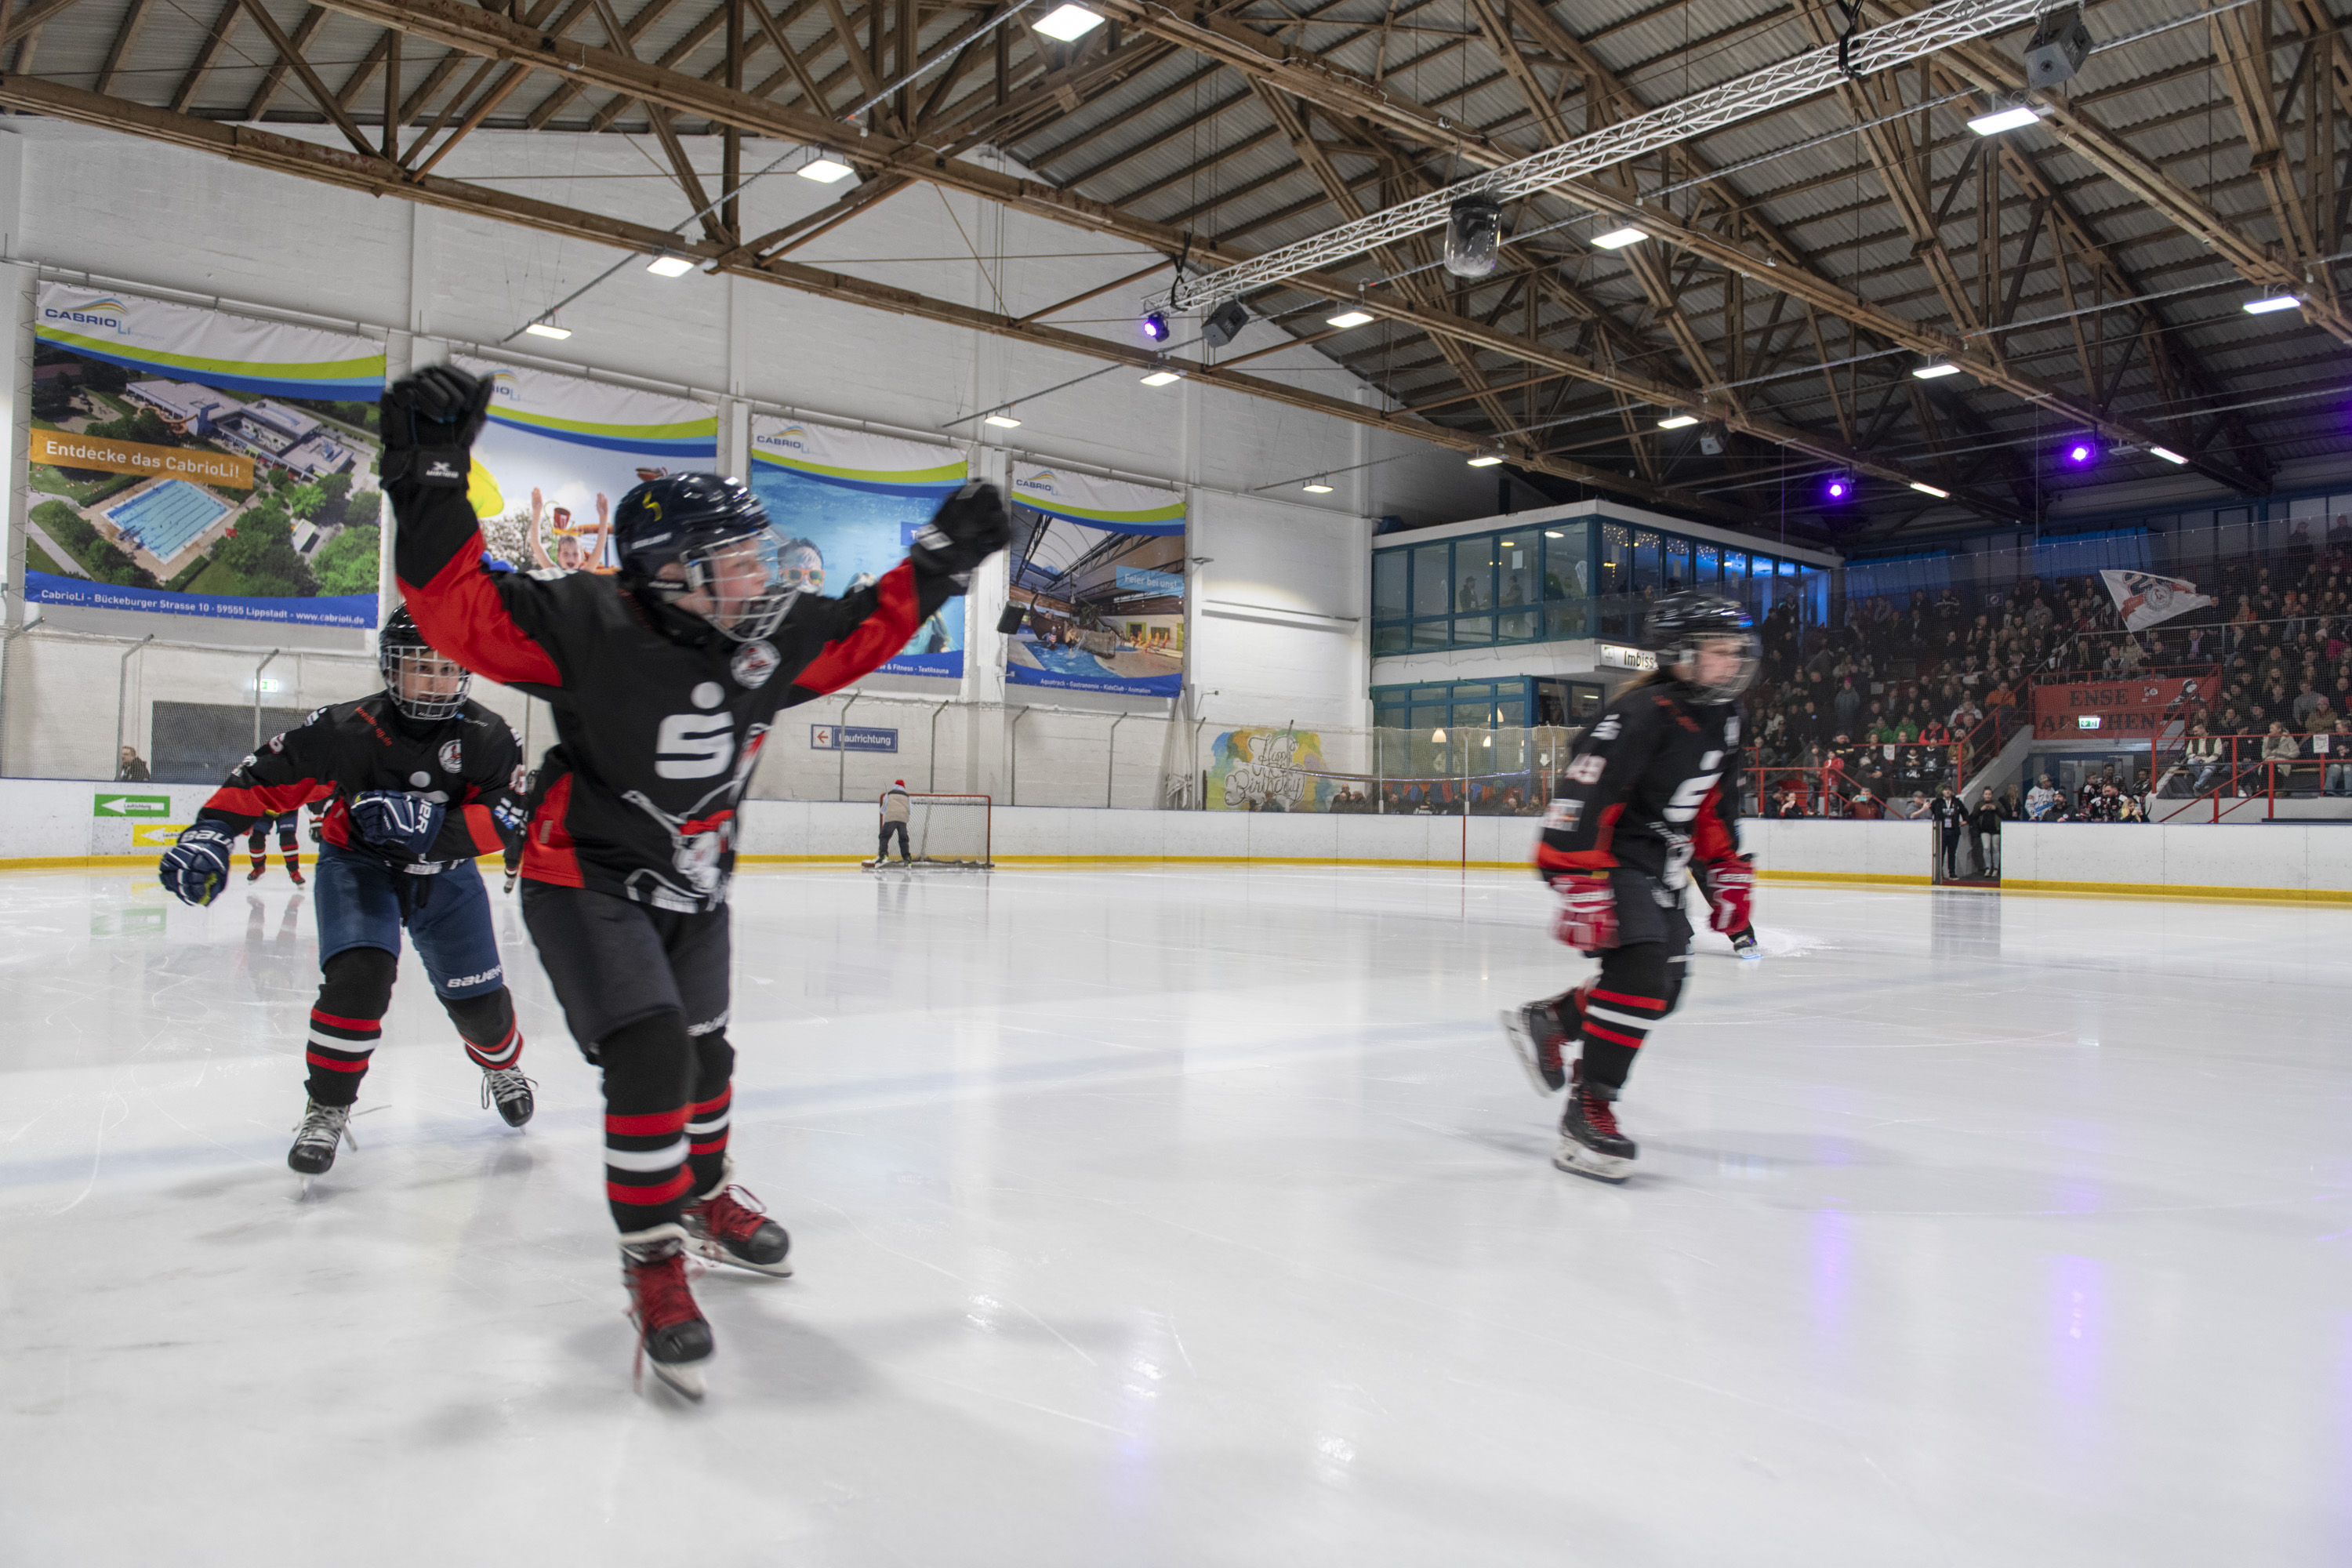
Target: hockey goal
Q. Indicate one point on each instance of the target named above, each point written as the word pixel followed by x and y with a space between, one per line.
pixel 947 832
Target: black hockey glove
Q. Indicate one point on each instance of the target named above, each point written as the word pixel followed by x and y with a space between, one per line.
pixel 969 526
pixel 196 867
pixel 430 419
pixel 395 819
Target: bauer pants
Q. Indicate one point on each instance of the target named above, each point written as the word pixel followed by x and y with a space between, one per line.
pixel 644 992
pixel 362 904
pixel 1640 978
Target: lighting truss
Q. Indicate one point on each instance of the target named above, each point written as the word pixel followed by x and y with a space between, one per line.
pixel 1775 87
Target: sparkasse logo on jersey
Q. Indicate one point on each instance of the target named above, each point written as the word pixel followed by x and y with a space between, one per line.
pixel 109 313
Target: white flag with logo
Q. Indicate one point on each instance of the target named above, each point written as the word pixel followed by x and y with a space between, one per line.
pixel 2143 598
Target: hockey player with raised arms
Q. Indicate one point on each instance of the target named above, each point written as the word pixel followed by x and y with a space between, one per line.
pixel 665 679
pixel 1642 799
pixel 417 780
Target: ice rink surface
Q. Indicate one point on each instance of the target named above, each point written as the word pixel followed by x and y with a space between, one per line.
pixel 1202 1217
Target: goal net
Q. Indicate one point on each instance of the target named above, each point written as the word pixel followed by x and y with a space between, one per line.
pixel 950 832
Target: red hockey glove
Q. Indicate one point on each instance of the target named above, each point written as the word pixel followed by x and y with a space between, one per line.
pixel 1731 893
pixel 1587 914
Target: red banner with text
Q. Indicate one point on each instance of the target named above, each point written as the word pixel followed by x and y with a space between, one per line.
pixel 2107 709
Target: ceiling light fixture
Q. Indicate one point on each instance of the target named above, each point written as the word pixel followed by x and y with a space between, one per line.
pixel 2167 453
pixel 1160 378
pixel 1678 422
pixel 825 170
pixel 1931 371
pixel 1068 24
pixel 1485 459
pixel 667 266
pixel 547 330
pixel 1349 318
pixel 2002 119
pixel 1001 421
pixel 2274 302
pixel 1317 487
pixel 1931 490
pixel 1619 238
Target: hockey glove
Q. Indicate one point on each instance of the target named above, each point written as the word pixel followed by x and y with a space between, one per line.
pixel 1731 893
pixel 390 819
pixel 430 420
pixel 196 868
pixel 969 526
pixel 1587 914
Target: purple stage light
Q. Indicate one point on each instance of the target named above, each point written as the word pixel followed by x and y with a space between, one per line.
pixel 1838 488
pixel 1155 327
pixel 2082 454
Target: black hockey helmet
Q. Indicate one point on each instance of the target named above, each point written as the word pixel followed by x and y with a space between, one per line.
pixel 732 564
pixel 422 682
pixel 1678 623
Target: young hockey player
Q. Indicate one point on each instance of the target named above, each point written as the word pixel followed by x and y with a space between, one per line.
pixel 290 843
pixel 1642 799
pixel 417 781
pixel 665 679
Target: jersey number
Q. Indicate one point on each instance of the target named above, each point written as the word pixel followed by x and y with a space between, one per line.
pixel 694 745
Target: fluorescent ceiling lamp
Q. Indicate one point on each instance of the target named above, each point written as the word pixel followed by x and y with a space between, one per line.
pixel 1549 534
pixel 2275 302
pixel 1160 378
pixel 1930 372
pixel 1619 238
pixel 2002 120
pixel 1069 23
pixel 1679 422
pixel 1931 490
pixel 825 170
pixel 1001 421
pixel 1317 487
pixel 670 266
pixel 1486 460
pixel 547 330
pixel 2167 453
pixel 1349 318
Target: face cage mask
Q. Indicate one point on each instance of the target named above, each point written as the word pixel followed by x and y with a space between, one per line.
pixel 722 569
pixel 1746 646
pixel 405 664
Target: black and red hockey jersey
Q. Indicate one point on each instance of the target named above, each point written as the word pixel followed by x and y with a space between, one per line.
pixel 1645 788
pixel 471 764
pixel 659 717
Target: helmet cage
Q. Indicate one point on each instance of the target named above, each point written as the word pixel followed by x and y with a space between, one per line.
pixel 1682 624
pixel 741 571
pixel 410 665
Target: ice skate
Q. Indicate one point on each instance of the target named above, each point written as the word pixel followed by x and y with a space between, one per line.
pixel 509 1091
pixel 255 875
pixel 726 1227
pixel 1743 946
pixel 1589 1142
pixel 295 873
pixel 315 1137
pixel 672 1333
pixel 1537 1037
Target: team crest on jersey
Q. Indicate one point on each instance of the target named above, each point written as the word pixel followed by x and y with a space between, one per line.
pixel 752 664
pixel 452 753
pixel 1561 815
pixel 1731 730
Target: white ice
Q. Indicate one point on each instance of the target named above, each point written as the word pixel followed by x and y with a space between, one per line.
pixel 1202 1217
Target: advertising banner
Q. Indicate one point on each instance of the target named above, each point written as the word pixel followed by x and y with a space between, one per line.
pixel 1259 769
pixel 186 462
pixel 559 450
pixel 1098 567
pixel 2133 709
pixel 851 502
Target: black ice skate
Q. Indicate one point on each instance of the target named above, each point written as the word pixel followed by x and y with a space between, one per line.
pixel 727 1228
pixel 295 873
pixel 511 1091
pixel 1590 1142
pixel 1743 944
pixel 255 875
pixel 315 1137
pixel 672 1333
pixel 1538 1036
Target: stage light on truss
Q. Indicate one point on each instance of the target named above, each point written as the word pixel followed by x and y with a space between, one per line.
pixel 2168 454
pixel 1935 368
pixel 825 170
pixel 1001 421
pixel 1318 487
pixel 1349 318
pixel 1619 238
pixel 1161 378
pixel 2080 453
pixel 548 330
pixel 1225 323
pixel 1931 490
pixel 1678 422
pixel 2002 119
pixel 1837 488
pixel 669 265
pixel 2264 306
pixel 1154 326
pixel 1068 23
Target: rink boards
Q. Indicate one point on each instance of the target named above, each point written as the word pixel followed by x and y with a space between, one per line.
pixel 58 821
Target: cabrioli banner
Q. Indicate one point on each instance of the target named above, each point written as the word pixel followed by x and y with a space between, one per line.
pixel 186 462
pixel 1098 565
pixel 560 451
pixel 851 502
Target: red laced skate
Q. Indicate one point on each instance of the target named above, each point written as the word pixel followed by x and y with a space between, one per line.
pixel 727 1228
pixel 670 1326
pixel 1598 1114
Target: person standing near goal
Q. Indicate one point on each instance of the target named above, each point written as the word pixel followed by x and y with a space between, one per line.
pixel 895 813
pixel 1643 797
pixel 665 679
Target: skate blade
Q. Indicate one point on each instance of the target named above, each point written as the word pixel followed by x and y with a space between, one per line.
pixel 1524 1047
pixel 711 1252
pixel 1578 1161
pixel 684 1377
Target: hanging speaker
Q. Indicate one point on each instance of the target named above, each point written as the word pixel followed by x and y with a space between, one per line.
pixel 1008 621
pixel 1473 237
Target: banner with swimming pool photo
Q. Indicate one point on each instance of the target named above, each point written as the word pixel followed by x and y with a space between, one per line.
pixel 852 502
pixel 185 461
pixel 559 453
pixel 1099 572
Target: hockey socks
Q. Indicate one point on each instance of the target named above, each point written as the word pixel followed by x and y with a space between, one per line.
pixel 647 1067
pixel 346 1022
